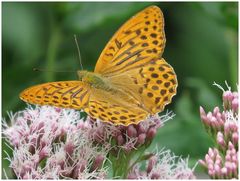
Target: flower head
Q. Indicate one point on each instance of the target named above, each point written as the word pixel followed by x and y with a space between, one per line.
pixel 50 144
pixel 53 143
pixel 222 161
pixel 163 165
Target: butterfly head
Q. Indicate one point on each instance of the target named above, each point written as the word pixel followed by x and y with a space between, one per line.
pixel 81 74
pixel 85 76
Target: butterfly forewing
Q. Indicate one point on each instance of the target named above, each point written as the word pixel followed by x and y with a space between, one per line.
pixel 66 94
pixel 135 43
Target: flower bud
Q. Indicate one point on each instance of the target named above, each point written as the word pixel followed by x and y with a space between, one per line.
pixel 234 168
pixel 151 133
pixel 141 129
pixel 211 172
pixel 203 163
pixel 217 170
pixel 97 162
pixel 131 131
pixel 216 111
pixel 230 145
pixel 228 96
pixel 43 153
pixel 99 135
pixel 209 115
pixel 234 159
pixel 151 163
pixel 233 126
pixel 213 122
pixel 66 172
pixel 203 116
pixel 235 138
pixel 210 166
pixel 228 165
pixel 208 159
pixel 220 139
pixel 218 160
pixel 227 128
pixel 235 104
pixel 228 156
pixel 79 168
pixel 202 112
pixel 224 171
pixel 155 175
pixel 120 140
pixel 211 153
pixel 69 148
pixel 141 138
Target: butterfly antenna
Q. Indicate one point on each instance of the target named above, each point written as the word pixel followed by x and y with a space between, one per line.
pixel 79 54
pixel 58 71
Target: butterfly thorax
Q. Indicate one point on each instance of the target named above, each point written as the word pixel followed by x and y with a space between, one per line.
pixel 94 80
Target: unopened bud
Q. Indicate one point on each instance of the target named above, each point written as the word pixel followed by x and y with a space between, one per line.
pixel 203 163
pixel 97 162
pixel 216 111
pixel 69 148
pixel 155 175
pixel 120 140
pixel 235 138
pixel 141 138
pixel 79 168
pixel 152 161
pixel 43 153
pixel 151 133
pixel 131 131
pixel 235 105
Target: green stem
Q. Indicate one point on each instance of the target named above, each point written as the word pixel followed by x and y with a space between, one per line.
pixel 139 158
pixel 126 170
pixel 121 166
pixel 52 51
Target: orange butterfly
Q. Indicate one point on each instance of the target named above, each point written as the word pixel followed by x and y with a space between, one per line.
pixel 131 80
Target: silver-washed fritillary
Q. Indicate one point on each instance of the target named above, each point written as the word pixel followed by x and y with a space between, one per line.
pixel 131 80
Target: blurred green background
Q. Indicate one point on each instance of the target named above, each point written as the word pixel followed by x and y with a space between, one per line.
pixel 202 42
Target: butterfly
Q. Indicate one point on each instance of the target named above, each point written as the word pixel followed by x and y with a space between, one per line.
pixel 131 80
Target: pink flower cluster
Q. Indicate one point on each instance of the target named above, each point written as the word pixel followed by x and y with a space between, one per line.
pixel 48 144
pixel 163 165
pixel 130 137
pixel 53 143
pixel 221 162
pixel 126 138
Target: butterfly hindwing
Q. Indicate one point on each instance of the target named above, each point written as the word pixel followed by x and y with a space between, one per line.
pixel 153 85
pixel 114 107
pixel 135 43
pixel 66 94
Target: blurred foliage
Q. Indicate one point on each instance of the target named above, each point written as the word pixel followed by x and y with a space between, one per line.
pixel 201 46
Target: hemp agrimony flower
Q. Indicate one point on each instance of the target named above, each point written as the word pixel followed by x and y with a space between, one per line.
pixel 221 161
pixel 53 143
